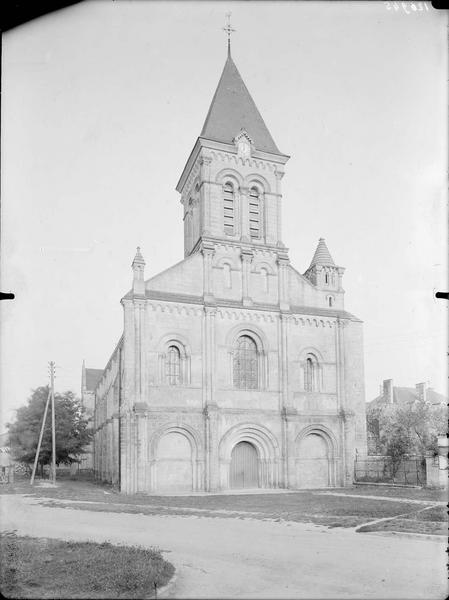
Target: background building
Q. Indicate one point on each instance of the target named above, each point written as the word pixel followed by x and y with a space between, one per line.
pixel 392 397
pixel 89 381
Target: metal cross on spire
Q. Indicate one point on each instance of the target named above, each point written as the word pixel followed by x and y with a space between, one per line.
pixel 228 30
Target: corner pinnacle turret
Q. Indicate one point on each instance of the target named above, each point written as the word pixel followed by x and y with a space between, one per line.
pixel 323 272
pixel 138 267
pixel 322 255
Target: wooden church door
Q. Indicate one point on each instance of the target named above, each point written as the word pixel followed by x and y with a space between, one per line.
pixel 244 467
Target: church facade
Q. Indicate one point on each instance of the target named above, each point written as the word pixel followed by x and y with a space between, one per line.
pixel 234 370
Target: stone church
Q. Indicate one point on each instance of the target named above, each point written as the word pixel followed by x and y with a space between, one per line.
pixel 234 370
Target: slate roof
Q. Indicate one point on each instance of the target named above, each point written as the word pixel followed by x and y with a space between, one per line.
pixel 322 255
pixel 233 109
pixel 403 395
pixel 93 376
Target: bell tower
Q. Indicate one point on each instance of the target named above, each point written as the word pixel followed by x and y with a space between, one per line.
pixel 231 185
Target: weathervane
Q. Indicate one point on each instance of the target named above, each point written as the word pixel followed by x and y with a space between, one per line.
pixel 228 30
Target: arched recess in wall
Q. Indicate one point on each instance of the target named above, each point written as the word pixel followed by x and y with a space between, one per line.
pixel 311 370
pixel 247 348
pixel 174 358
pixel 316 457
pixel 227 275
pixel 174 456
pixel 224 267
pixel 264 271
pixel 265 448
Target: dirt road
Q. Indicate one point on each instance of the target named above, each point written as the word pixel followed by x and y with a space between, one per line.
pixel 235 558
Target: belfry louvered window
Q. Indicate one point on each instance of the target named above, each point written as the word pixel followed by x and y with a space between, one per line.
pixel 228 208
pixel 173 366
pixel 245 364
pixel 254 214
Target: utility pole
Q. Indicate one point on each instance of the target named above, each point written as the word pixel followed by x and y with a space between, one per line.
pixel 53 429
pixel 40 439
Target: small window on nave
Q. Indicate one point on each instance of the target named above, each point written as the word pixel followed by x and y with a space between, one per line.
pixel 173 366
pixel 254 214
pixel 310 374
pixel 330 301
pixel 245 367
pixel 228 209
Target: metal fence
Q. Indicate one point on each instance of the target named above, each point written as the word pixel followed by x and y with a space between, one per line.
pixel 411 471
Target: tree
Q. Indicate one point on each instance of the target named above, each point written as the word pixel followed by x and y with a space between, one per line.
pixel 406 428
pixel 71 427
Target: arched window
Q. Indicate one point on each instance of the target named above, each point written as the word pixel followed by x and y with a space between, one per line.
pixel 173 366
pixel 254 214
pixel 326 278
pixel 227 281
pixel 311 374
pixel 330 301
pixel 228 208
pixel 245 364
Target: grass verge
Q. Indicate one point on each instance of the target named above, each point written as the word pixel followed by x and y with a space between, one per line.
pixel 45 568
pixel 432 521
pixel 407 526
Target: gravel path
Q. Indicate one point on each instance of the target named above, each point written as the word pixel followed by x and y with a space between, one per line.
pixel 248 558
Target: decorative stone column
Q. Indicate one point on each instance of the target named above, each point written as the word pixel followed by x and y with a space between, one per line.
pixel 129 349
pixel 279 175
pixel 340 271
pixel 244 212
pixel 346 462
pixel 210 410
pixel 246 255
pixel 205 201
pixel 208 251
pixel 283 387
pixel 283 263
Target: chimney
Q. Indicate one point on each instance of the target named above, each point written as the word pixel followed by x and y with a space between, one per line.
pixel 388 391
pixel 421 390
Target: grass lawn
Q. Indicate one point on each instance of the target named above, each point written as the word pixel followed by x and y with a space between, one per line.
pixel 347 509
pixel 434 494
pixel 430 521
pixel 44 568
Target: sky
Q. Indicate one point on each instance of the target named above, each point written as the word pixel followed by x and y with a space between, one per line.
pixel 102 103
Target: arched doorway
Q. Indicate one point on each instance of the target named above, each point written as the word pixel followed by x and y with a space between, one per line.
pixel 244 466
pixel 313 462
pixel 174 464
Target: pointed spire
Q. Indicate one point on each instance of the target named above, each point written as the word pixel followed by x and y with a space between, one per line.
pixel 322 255
pixel 232 109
